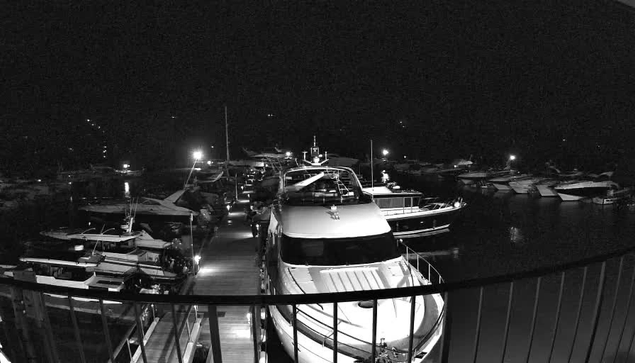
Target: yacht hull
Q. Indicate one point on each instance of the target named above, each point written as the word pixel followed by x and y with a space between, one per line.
pixel 422 223
pixel 501 186
pixel 546 190
pixel 314 350
pixel 580 193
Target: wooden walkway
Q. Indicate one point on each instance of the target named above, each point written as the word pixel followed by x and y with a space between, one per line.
pixel 228 266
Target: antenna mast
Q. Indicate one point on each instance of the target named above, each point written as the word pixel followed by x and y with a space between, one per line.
pixel 226 136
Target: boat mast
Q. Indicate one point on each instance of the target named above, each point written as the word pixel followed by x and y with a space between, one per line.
pixel 226 137
pixel 372 178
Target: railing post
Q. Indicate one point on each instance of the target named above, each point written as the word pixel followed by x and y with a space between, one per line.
pixel 140 332
pixel 413 305
pixel 78 339
pixel 596 310
pixel 579 312
pixel 533 319
pixel 104 324
pixel 628 308
pixel 373 353
pixel 177 335
pixel 557 318
pixel 335 332
pixel 294 321
pixel 477 334
pixel 445 337
pixel 214 331
pixel 617 289
pixel 508 319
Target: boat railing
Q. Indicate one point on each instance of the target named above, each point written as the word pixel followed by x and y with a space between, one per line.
pixel 424 266
pixel 572 312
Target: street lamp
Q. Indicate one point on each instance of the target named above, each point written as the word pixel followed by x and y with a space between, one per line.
pixel 197 155
pixel 512 157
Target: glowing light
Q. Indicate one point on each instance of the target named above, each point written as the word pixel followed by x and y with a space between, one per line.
pixel 205 271
pixel 126 189
pixel 288 154
pixel 197 155
pixel 512 157
pixel 126 166
pixel 197 258
pixel 209 162
pixel 385 152
pixel 39 180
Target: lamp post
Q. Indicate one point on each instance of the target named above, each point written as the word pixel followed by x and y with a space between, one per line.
pixel 197 155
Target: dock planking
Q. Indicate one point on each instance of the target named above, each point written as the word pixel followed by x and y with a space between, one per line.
pixel 228 266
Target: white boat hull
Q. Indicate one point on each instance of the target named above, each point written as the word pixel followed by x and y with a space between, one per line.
pixel 546 190
pixel 570 197
pixel 312 351
pixel 501 186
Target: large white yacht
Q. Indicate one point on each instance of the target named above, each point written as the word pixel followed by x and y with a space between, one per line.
pixel 326 236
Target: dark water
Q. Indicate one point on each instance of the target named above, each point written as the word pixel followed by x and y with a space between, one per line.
pixel 503 232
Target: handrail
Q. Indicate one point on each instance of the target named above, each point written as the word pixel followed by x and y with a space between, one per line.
pixel 246 300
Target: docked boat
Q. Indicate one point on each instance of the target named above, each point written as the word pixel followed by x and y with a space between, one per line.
pixel 327 236
pixel 523 185
pixel 613 196
pixel 480 176
pixel 65 269
pixel 578 190
pixel 501 183
pixel 177 207
pixel 128 253
pixel 410 214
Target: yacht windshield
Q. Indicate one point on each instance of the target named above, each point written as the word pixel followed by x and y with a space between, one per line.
pixel 338 251
pixel 334 186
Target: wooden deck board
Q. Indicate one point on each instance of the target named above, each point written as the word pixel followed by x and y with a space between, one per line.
pixel 228 266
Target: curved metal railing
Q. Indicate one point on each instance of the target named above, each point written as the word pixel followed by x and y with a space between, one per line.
pixel 510 298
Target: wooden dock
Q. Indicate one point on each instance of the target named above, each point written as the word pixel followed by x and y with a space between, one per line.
pixel 228 266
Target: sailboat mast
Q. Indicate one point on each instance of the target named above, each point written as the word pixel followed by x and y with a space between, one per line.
pixel 226 136
pixel 372 177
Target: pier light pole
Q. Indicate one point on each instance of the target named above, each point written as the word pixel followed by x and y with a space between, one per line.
pixel 197 155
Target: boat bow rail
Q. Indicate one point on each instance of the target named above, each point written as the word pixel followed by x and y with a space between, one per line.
pixel 534 302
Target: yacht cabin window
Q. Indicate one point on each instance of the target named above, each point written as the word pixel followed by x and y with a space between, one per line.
pixel 338 251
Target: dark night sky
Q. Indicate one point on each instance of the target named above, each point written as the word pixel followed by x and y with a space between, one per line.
pixel 465 78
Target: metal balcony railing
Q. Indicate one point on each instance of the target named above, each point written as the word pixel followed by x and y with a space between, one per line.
pixel 574 312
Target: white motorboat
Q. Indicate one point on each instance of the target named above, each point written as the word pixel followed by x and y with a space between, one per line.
pixel 545 187
pixel 65 269
pixel 128 253
pixel 522 185
pixel 501 183
pixel 479 176
pixel 578 190
pixel 177 207
pixel 410 214
pixel 327 236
